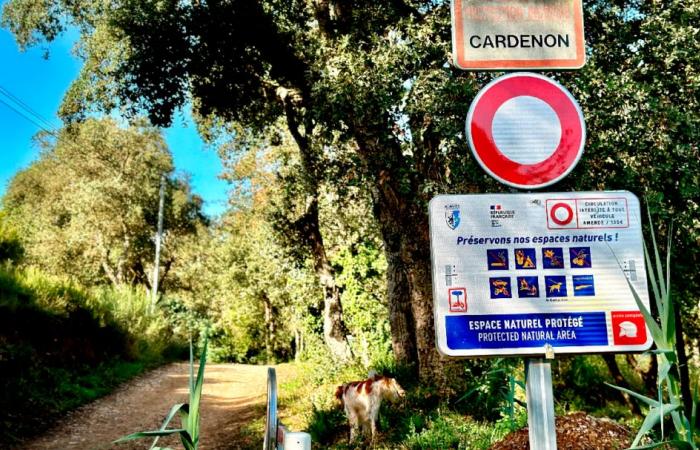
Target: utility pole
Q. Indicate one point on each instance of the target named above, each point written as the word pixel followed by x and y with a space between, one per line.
pixel 159 236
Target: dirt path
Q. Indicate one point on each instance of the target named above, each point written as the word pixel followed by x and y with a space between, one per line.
pixel 233 395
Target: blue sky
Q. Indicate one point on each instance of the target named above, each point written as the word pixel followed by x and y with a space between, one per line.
pixel 41 84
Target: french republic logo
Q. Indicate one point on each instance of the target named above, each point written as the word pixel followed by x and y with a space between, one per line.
pixel 628 328
pixel 452 216
pixel 458 299
pixel 497 214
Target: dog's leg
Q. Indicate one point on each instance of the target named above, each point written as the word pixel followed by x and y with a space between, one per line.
pixel 352 420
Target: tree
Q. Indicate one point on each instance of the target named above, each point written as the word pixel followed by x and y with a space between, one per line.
pixel 372 80
pixel 88 206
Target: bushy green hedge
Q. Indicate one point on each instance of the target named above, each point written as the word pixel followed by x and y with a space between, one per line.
pixel 62 345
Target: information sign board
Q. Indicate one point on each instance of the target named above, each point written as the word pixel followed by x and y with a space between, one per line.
pixel 517 34
pixel 515 272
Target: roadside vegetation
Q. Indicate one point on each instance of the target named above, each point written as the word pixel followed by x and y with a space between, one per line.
pixel 334 139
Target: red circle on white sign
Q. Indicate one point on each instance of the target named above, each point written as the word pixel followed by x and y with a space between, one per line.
pixel 526 130
pixel 558 218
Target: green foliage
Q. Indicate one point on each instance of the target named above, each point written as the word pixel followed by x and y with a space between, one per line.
pixel 11 250
pixel 670 400
pixel 579 382
pixel 306 403
pixel 62 345
pixel 189 413
pixel 87 208
pixel 450 430
pixel 361 272
pixel 495 389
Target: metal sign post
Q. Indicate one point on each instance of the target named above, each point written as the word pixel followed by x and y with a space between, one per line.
pixel 540 404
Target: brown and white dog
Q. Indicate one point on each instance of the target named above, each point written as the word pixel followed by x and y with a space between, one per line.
pixel 362 399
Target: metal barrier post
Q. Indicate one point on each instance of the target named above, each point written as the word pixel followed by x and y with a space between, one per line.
pixel 276 435
pixel 270 440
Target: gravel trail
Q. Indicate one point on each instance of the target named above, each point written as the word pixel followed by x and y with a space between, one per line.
pixel 233 396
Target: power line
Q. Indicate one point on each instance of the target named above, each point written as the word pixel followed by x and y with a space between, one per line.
pixel 26 107
pixel 29 118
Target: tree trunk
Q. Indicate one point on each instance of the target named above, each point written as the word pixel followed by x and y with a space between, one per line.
pixel 403 338
pixel 269 328
pixel 334 330
pixel 403 222
pixel 417 260
pixel 297 344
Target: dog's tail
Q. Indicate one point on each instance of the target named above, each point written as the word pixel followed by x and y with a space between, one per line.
pixel 339 393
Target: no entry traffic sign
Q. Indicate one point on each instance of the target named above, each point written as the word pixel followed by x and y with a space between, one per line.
pixel 526 130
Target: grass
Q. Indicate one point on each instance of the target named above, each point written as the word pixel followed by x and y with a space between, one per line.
pixel 62 345
pixel 424 421
pixel 306 403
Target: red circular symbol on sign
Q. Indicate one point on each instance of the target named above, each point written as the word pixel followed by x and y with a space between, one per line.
pixel 565 207
pixel 539 89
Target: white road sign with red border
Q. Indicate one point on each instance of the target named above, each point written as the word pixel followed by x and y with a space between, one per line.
pixel 517 34
pixel 526 130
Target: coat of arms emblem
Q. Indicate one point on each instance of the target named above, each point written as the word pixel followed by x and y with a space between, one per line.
pixel 452 216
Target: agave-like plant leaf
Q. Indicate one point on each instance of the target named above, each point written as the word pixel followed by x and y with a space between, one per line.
pixel 669 320
pixel 654 328
pixel 196 396
pixel 659 269
pixel 680 445
pixel 649 401
pixel 652 281
pixel 654 416
pixel 682 426
pixel 189 412
pixel 154 433
pixel 694 412
pixel 664 369
pixel 174 410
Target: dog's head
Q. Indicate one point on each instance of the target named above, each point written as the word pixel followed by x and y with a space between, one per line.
pixel 392 389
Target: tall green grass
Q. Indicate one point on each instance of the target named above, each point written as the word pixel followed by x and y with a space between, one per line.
pixel 62 345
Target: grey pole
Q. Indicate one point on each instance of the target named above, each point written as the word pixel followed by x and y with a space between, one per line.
pixel 159 236
pixel 540 404
pixel 270 438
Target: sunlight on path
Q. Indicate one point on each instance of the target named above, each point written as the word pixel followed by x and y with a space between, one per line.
pixel 231 394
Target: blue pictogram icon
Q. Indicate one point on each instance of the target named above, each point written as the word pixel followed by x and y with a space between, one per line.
pixel 528 287
pixel 500 287
pixel 583 285
pixel 497 259
pixel 555 286
pixel 525 258
pixel 552 258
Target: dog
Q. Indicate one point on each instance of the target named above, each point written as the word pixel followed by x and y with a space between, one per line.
pixel 362 399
